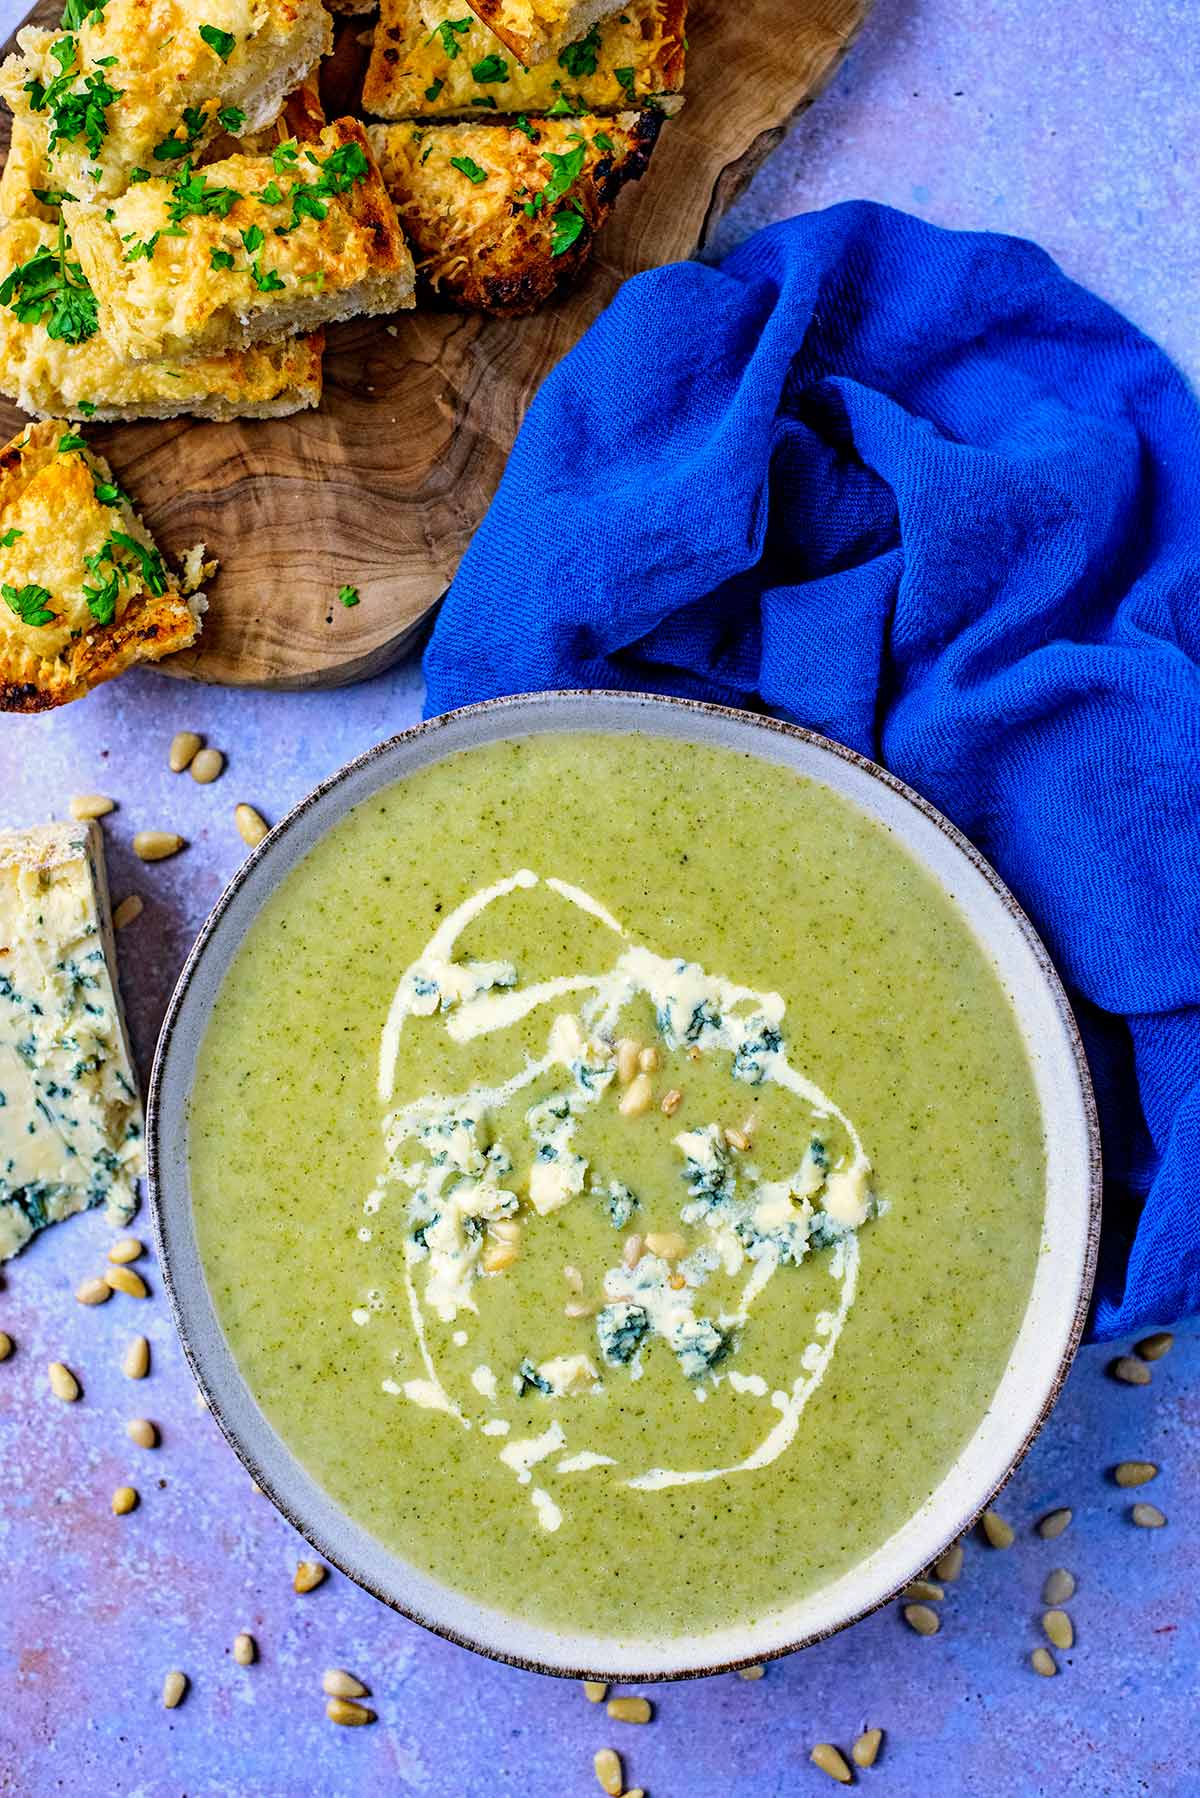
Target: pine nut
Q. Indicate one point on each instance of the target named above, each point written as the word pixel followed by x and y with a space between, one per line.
pixel 1059 1629
pixel 184 745
pixel 631 1250
pixel 595 1691
pixel 349 1714
pixel 923 1589
pixel 998 1532
pixel 865 1751
pixel 676 1282
pixel 124 1500
pixel 949 1566
pixel 6 1345
pixel 629 1710
pixel 131 907
pixel 142 1431
pixel 85 806
pixel 1043 1662
pixel 497 1256
pixel 627 1059
pixel 671 1102
pixel 206 765
pixel 1054 1523
pixel 308 1576
pixel 174 1687
pixel 637 1097
pixel 63 1383
pixel 752 1672
pixel 126 1280
pixel 156 845
pixel 1135 1473
pixel 1059 1586
pixel 919 1617
pixel 507 1229
pixel 607 1763
pixel 93 1292
pixel 649 1061
pixel 337 1683
pixel 573 1277
pixel 252 827
pixel 667 1243
pixel 1153 1348
pixel 136 1364
pixel 245 1649
pixel 826 1756
pixel 1129 1370
pixel 126 1248
pixel 737 1139
pixel 1147 1517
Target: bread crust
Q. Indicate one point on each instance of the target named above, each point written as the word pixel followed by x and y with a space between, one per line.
pixel 475 243
pixel 413 75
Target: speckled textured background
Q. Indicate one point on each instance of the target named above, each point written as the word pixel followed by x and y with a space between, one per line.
pixel 1064 125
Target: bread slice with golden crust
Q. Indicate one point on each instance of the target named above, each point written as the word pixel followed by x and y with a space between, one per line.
pixel 536 30
pixel 84 593
pixel 499 215
pixel 430 59
pixel 23 180
pixel 246 250
pixel 142 84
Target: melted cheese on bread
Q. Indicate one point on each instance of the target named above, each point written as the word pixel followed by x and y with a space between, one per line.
pixel 536 30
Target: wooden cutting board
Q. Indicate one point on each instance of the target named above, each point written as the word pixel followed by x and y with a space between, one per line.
pixel 384 486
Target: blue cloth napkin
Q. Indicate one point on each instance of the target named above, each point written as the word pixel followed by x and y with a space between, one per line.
pixel 917 490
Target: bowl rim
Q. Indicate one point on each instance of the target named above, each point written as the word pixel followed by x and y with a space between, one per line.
pixel 160 1204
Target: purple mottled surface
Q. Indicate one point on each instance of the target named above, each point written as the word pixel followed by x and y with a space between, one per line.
pixel 1065 124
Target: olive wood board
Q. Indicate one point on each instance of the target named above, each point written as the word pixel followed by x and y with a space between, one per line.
pixel 383 486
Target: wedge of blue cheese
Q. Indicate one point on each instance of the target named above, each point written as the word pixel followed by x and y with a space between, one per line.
pixel 71 1132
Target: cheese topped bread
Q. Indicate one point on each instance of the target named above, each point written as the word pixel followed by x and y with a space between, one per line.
pixel 86 379
pixel 140 85
pixel 244 250
pixel 500 214
pixel 434 58
pixel 536 30
pixel 25 191
pixel 70 1117
pixel 84 593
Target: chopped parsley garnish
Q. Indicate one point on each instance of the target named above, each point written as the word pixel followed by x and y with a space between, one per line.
pixel 339 171
pixel 102 596
pixel 565 170
pixel 77 13
pixel 220 259
pixel 285 156
pixel 10 536
pixel 522 124
pixel 193 127
pixel 466 166
pixel 266 282
pixel 137 176
pixel 30 603
pixel 146 248
pixel 603 141
pixel 109 493
pixel 581 58
pixel 565 227
pixel 272 194
pixel 192 197
pixel 231 119
pixel 68 442
pixel 434 89
pixel 446 32
pixel 492 68
pixel 85 407
pixel 253 239
pixel 626 77
pixel 49 196
pixel 349 596
pixel 220 41
pixel 51 291
pixel 484 100
pixel 74 112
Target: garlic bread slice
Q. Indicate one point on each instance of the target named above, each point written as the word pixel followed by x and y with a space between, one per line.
pixel 536 30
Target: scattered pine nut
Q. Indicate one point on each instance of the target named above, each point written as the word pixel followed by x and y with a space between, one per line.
pixel 184 745
pixel 1054 1523
pixel 737 1139
pixel 136 1364
pixel 174 1687
pixel 497 1256
pixel 1130 1371
pixel 142 1431
pixel 349 1714
pixel 124 1279
pixel 252 827
pixel 949 1566
pixel 94 1291
pixel 245 1649
pixel 627 1059
pixel 1135 1473
pixel 308 1576
pixel 671 1102
pixel 923 1589
pixel 6 1345
pixel 337 1683
pixel 830 1761
pixel 1059 1629
pixel 85 806
pixel 63 1383
pixel 573 1277
pixel 920 1617
pixel 998 1532
pixel 506 1229
pixel 667 1243
pixel 131 907
pixel 637 1098
pixel 156 845
pixel 1043 1662
pixel 865 1751
pixel 649 1061
pixel 206 765
pixel 126 1248
pixel 124 1500
pixel 1059 1586
pixel 607 1763
pixel 630 1710
pixel 1147 1517
pixel 1153 1348
pixel 595 1691
pixel 635 1792
pixel 751 1672
pixel 631 1250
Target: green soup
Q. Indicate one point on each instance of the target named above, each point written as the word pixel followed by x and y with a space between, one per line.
pixel 619 1176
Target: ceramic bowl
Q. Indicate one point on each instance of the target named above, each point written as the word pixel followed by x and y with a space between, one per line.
pixel 1057 1303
